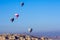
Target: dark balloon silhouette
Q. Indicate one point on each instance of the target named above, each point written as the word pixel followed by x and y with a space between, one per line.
pixel 22 4
pixel 12 19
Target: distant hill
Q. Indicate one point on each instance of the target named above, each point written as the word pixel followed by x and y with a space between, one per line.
pixel 47 34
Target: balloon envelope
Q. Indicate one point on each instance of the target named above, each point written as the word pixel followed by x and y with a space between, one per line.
pixel 30 30
pixel 22 3
pixel 17 15
pixel 12 19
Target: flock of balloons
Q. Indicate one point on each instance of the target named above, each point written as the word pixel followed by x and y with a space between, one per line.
pixel 17 15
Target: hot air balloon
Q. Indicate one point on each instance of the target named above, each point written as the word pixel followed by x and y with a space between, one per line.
pixel 22 4
pixel 16 15
pixel 30 30
pixel 12 19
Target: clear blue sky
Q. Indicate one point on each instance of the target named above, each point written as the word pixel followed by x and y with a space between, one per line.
pixel 41 15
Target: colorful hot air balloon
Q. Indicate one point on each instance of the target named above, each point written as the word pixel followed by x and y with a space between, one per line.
pixel 12 19
pixel 30 30
pixel 16 15
pixel 22 4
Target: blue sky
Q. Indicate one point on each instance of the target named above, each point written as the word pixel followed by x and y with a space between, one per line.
pixel 41 15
